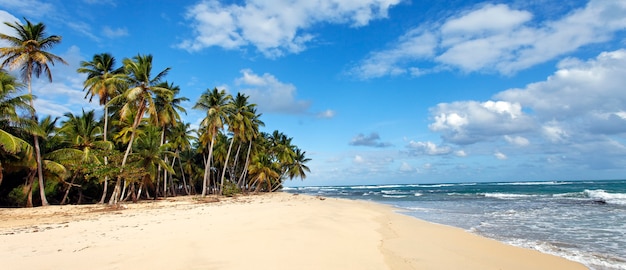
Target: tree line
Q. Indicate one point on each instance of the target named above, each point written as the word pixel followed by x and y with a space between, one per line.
pixel 140 148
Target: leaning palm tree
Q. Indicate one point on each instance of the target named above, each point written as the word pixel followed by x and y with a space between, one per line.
pixel 105 81
pixel 28 51
pixel 217 105
pixel 138 99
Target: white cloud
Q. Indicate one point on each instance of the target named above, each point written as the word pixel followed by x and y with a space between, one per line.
pixel 577 112
pixel 274 27
pixel 405 167
pixel 326 114
pixel 517 140
pixel 65 93
pixel 460 153
pixel 358 159
pixel 270 94
pixel 467 122
pixel 494 38
pixel 114 33
pixel 6 17
pixel 427 148
pixel 500 155
pixel 25 7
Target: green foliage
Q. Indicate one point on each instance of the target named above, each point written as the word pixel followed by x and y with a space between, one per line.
pixel 16 197
pixel 231 189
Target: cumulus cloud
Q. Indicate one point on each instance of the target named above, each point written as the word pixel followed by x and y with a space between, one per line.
pixel 467 122
pixel 270 94
pixel 372 140
pixel 427 148
pixel 578 110
pixel 275 27
pixel 494 38
pixel 517 140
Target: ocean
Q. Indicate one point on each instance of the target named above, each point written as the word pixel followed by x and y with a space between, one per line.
pixel 583 221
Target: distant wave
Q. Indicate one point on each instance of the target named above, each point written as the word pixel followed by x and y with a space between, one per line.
pixel 394 196
pixel 532 183
pixel 506 196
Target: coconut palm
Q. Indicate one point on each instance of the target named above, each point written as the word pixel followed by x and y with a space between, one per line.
pixel 239 120
pixel 105 81
pixel 217 105
pixel 138 99
pixel 263 171
pixel 167 115
pixel 82 136
pixel 28 51
pixel 180 139
pixel 10 104
pixel 251 133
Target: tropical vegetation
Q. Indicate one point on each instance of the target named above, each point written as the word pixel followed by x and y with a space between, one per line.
pixel 138 147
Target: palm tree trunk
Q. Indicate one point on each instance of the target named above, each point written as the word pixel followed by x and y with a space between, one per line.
pixel 241 182
pixel 165 180
pixel 115 198
pixel 67 191
pixel 230 147
pixel 42 187
pixel 207 167
pixel 28 189
pixel 106 158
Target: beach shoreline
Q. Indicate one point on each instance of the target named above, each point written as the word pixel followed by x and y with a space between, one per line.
pixel 266 231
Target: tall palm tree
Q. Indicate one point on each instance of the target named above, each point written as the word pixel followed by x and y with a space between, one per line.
pixel 10 104
pixel 138 99
pixel 28 52
pixel 251 133
pixel 239 120
pixel 105 81
pixel 167 116
pixel 217 105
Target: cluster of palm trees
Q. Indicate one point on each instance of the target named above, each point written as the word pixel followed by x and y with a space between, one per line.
pixel 140 147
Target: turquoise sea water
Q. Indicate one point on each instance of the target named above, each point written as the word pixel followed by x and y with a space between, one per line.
pixel 584 221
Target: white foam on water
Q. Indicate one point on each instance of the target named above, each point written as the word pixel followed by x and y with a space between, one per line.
pixel 506 196
pixel 601 195
pixel 591 260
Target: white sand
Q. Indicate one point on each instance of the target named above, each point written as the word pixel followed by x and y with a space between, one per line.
pixel 269 231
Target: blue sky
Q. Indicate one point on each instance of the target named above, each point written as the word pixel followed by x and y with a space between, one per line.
pixel 380 91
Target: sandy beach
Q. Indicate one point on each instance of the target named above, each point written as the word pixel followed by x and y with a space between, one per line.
pixel 268 231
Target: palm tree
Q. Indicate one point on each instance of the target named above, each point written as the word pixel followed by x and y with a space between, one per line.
pixel 138 99
pixel 217 105
pixel 81 135
pixel 239 120
pixel 167 115
pixel 263 171
pixel 149 156
pixel 251 133
pixel 105 81
pixel 28 51
pixel 181 141
pixel 9 118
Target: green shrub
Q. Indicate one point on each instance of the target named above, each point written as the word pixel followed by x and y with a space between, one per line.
pixel 231 189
